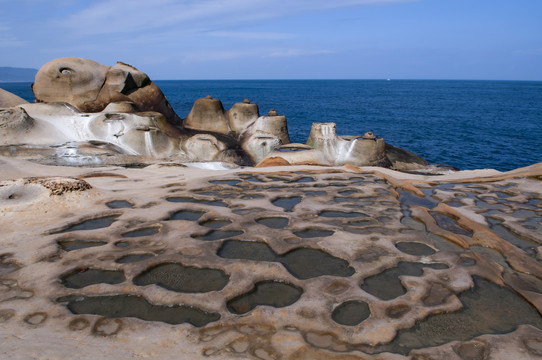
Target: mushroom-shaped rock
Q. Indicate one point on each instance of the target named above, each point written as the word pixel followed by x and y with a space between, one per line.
pixel 267 133
pixel 203 147
pixel 340 150
pixel 90 86
pixel 15 124
pixel 242 115
pixel 259 146
pixel 275 126
pixel 8 99
pixel 207 114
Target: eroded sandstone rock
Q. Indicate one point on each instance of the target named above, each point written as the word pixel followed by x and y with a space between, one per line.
pixel 340 150
pixel 90 86
pixel 8 99
pixel 81 101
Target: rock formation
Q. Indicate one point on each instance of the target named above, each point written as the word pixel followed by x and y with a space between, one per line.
pixel 8 99
pixel 79 100
pixel 91 87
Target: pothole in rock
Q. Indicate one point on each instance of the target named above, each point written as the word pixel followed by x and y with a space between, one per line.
pixel 414 248
pixel 81 278
pixel 487 309
pixel 184 199
pixel 268 293
pixel 275 222
pixel 519 241
pixel 340 199
pixel 218 235
pixel 341 214
pixel 287 203
pixel 302 263
pixel 216 223
pixel 118 204
pixel 142 232
pixel 251 178
pixel 180 278
pixel 122 244
pixel 7 268
pixel 313 232
pixel 119 306
pixel 348 192
pixel 308 263
pixel 449 224
pixel 92 224
pixel 248 250
pixel 351 313
pixel 188 215
pixel 387 285
pixel 232 182
pixel 363 222
pixel 314 193
pixel 131 258
pixel 71 245
pixel 304 179
pixel 409 199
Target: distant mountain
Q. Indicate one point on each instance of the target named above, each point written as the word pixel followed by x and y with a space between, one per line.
pixel 12 74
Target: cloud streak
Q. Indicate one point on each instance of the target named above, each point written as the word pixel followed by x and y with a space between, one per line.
pixel 222 55
pixel 133 16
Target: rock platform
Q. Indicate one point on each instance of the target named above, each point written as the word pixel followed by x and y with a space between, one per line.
pixel 292 262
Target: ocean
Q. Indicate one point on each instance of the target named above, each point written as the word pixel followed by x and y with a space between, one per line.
pixel 466 124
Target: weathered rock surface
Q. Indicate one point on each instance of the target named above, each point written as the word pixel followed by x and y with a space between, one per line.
pixel 90 86
pixel 288 263
pixel 80 100
pixel 8 99
pixel 354 150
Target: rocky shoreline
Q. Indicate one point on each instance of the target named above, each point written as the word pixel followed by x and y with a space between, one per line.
pixel 95 113
pixel 140 250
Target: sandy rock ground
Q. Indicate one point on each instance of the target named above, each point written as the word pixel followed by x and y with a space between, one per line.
pixel 301 262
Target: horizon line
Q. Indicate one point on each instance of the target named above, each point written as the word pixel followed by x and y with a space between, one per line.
pixel 319 79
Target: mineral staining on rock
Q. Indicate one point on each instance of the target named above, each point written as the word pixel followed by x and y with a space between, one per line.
pixel 295 263
pixel 387 283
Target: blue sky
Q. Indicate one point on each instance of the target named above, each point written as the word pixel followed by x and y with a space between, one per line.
pixel 282 39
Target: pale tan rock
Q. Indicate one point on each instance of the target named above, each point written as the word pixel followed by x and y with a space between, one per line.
pixel 90 86
pixel 242 115
pixel 8 99
pixel 203 147
pixel 207 114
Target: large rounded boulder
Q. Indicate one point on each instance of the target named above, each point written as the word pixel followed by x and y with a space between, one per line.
pixel 91 87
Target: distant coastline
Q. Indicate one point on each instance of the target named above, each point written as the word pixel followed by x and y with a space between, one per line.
pixel 15 74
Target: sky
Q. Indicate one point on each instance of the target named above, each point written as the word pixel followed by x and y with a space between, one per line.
pixel 282 39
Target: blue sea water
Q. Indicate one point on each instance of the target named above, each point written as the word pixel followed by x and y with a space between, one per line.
pixel 466 124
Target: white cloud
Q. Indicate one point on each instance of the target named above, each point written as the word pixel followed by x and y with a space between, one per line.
pixel 129 16
pixel 251 35
pixel 218 55
pixel 297 52
pixel 7 39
